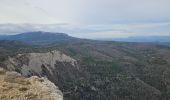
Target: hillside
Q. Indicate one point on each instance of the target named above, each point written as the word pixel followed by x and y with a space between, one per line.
pixel 99 70
pixel 92 70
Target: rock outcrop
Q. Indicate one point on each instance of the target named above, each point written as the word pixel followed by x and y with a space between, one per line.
pixel 13 86
pixel 57 67
pixel 34 63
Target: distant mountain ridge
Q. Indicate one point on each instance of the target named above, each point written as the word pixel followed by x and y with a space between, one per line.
pixel 144 39
pixel 45 38
pixel 38 37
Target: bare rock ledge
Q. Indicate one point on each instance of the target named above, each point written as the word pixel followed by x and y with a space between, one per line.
pixel 13 86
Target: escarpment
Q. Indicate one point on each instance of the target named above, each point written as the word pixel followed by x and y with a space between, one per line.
pixel 36 63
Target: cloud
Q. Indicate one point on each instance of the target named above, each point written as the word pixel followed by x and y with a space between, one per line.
pixel 84 11
pixel 104 34
pixel 86 18
pixel 92 31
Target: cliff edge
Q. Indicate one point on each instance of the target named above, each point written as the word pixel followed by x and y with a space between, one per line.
pixel 13 86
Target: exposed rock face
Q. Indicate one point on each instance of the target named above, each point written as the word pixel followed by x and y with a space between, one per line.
pixel 31 63
pixel 55 66
pixel 15 87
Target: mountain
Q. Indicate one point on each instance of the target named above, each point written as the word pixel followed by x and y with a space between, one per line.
pixel 97 70
pixel 38 37
pixel 91 70
pixel 43 38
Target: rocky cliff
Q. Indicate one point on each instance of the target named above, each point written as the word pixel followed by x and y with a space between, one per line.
pixel 54 65
pixel 35 63
pixel 13 86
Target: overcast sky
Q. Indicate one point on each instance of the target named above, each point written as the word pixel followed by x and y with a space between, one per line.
pixel 87 18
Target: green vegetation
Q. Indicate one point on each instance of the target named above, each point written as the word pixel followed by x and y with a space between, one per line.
pixel 107 71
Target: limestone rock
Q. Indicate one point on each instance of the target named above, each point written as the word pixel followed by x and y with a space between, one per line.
pixel 26 64
pixel 13 86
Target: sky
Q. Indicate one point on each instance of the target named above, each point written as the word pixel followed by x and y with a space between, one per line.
pixel 87 18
